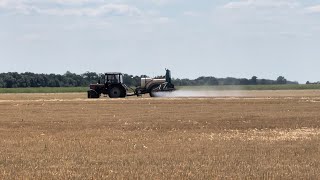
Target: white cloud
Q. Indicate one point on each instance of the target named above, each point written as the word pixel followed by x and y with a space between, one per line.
pixel 313 9
pixel 3 3
pixel 163 20
pixel 107 9
pixel 69 7
pixel 262 4
pixel 192 14
pixel 75 1
pixel 32 37
pixel 8 4
pixel 164 2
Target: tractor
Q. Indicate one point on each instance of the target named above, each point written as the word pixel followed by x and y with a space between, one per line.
pixel 114 87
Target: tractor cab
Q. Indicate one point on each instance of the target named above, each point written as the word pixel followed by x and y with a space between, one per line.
pixel 113 78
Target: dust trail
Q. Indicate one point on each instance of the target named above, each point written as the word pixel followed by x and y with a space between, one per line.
pixel 202 93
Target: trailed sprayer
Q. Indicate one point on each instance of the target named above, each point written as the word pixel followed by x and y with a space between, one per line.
pixel 114 87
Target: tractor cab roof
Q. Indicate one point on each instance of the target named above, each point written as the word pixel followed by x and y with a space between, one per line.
pixel 113 73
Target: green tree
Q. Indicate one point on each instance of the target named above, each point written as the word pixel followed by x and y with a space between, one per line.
pixel 281 80
pixel 244 81
pixel 9 81
pixel 253 80
pixel 1 83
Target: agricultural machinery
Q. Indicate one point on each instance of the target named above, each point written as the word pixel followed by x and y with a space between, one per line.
pixel 114 87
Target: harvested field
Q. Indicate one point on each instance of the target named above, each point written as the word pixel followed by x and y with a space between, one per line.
pixel 259 134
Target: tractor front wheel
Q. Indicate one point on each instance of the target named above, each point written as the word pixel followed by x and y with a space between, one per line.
pixel 93 94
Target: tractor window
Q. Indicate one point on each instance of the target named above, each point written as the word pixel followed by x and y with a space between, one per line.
pixel 110 78
pixel 117 78
pixel 114 78
pixel 121 78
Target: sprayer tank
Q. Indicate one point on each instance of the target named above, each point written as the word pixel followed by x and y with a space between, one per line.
pixel 148 82
pixel 145 81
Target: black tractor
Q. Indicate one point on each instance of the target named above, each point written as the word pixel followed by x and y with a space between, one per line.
pixel 113 86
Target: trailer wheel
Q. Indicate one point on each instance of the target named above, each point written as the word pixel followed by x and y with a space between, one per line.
pixel 117 92
pixel 153 89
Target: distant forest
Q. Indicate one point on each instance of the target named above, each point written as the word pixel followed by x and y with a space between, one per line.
pixel 28 79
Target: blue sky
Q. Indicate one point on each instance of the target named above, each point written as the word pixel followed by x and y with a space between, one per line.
pixel 237 38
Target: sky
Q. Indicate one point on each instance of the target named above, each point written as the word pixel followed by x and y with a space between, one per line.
pixel 221 38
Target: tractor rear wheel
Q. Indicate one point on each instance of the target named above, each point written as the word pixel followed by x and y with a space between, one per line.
pixel 117 92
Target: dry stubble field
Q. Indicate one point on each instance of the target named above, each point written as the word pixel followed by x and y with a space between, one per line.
pixel 262 134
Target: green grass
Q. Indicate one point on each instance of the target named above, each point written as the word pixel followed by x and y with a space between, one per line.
pixel 254 87
pixel 44 90
pixel 84 89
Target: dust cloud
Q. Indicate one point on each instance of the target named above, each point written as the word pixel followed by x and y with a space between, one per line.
pixel 201 93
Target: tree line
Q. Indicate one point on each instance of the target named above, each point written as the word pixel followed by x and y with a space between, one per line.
pixel 28 79
pixel 231 81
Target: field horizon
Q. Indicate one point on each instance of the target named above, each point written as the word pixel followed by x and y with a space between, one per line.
pixel 194 88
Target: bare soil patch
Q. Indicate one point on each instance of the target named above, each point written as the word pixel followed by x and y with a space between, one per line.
pixel 265 134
